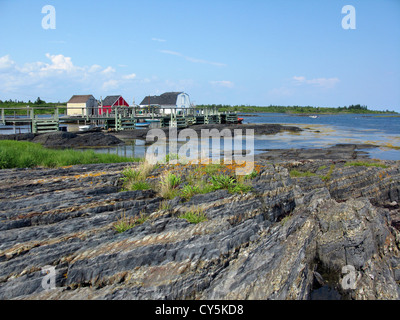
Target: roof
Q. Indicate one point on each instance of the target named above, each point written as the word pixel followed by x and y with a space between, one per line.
pixel 167 98
pixel 110 100
pixel 80 98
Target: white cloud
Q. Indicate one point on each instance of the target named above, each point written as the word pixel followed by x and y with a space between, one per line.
pixel 281 92
pixel 191 59
pixel 58 74
pixel 326 83
pixel 129 76
pixel 299 79
pixel 223 83
pixel 6 63
pixel 59 62
pixel 110 84
pixel 108 70
pixel 158 40
pixel 94 68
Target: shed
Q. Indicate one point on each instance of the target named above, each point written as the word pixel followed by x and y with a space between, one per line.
pixel 80 105
pixel 168 101
pixel 112 101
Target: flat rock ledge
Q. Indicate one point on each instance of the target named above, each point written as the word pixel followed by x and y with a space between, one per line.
pixel 289 238
pixel 63 139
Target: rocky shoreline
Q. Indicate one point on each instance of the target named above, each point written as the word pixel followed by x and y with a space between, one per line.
pixel 289 238
pixel 105 139
pixel 310 214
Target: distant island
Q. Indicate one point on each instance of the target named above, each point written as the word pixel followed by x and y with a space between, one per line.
pixel 297 109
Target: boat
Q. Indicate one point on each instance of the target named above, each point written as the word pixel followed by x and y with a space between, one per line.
pixel 240 120
pixel 87 127
pixel 314 117
pixel 142 124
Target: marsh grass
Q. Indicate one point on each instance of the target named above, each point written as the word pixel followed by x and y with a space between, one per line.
pixel 23 154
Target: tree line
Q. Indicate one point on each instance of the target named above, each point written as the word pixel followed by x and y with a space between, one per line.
pixel 293 109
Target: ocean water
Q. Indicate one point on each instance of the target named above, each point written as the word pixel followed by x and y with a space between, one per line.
pixel 320 132
pixel 328 130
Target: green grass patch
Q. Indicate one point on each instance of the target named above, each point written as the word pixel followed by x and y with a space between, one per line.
pixel 169 183
pixel 187 180
pixel 23 154
pixel 125 223
pixel 140 185
pixel 328 176
pixel 299 174
pixel 134 178
pixel 194 216
pixel 366 164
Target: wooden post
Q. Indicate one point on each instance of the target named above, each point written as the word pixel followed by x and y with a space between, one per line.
pixel 116 118
pixel 33 122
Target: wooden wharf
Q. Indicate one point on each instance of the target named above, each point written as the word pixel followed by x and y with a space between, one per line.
pixel 48 119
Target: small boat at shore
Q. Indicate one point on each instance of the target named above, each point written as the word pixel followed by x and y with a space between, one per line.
pixel 240 120
pixel 142 124
pixel 87 127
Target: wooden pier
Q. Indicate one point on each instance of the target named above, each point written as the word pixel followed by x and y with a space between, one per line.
pixel 48 119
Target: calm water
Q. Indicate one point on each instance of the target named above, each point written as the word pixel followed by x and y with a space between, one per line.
pixel 324 131
pixel 328 130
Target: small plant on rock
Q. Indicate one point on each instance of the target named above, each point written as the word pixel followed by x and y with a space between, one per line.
pixel 195 215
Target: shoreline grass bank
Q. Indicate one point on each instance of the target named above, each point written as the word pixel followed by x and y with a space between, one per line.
pixel 23 154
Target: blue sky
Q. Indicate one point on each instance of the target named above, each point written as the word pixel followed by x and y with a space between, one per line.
pixel 254 52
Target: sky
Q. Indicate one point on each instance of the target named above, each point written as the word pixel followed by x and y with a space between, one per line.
pixel 235 52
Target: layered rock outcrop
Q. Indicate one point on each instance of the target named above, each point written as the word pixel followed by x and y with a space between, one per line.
pixel 289 238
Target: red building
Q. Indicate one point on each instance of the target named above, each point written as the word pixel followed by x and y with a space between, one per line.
pixel 112 101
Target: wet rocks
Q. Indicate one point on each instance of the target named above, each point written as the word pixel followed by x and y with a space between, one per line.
pixel 259 129
pixel 336 152
pixel 63 139
pixel 283 240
